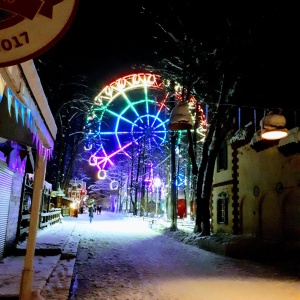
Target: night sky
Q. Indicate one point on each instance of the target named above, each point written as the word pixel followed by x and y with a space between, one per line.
pixel 103 43
pixel 107 39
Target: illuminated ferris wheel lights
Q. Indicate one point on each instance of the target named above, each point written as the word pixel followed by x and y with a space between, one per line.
pixel 121 83
pixel 103 162
pixel 129 82
pixel 101 174
pixel 114 185
pixel 136 79
pixel 93 160
pixel 132 109
pixel 108 91
pixel 151 80
pixel 88 147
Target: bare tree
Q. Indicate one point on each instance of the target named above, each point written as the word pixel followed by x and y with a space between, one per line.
pixel 69 146
pixel 214 53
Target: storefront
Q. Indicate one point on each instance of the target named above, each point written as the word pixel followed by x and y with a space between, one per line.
pixel 27 134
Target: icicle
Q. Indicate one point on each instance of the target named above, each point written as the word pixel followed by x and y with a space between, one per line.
pixel 9 99
pixel 45 153
pixel 23 114
pixel 239 116
pixel 34 136
pixel 17 104
pixel 206 112
pixel 31 124
pixel 28 118
pixel 49 153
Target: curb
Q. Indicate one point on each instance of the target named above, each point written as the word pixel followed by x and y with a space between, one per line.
pixel 59 283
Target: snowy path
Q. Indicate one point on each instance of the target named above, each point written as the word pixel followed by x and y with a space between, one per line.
pixel 124 259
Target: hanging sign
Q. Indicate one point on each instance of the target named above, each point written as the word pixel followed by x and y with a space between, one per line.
pixel 30 27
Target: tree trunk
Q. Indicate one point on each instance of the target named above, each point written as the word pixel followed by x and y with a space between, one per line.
pixel 217 133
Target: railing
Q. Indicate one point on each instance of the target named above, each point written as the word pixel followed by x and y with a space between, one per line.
pixel 47 218
pixel 65 211
pixel 24 224
pixel 51 217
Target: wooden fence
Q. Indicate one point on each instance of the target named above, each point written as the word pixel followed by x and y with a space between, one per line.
pixel 50 218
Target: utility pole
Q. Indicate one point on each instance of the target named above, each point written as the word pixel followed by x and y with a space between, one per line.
pixel 173 136
pixel 173 183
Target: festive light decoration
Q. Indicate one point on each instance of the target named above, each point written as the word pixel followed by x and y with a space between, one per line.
pixel 157 182
pixel 101 174
pixel 180 178
pixel 130 111
pixel 114 185
pixel 27 117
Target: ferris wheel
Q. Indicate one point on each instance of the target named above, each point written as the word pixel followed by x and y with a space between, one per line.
pixel 128 113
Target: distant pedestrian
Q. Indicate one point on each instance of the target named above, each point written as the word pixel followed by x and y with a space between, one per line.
pixel 90 203
pixel 99 208
pixel 91 213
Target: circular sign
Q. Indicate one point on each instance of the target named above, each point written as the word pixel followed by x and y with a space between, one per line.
pixel 256 191
pixel 26 31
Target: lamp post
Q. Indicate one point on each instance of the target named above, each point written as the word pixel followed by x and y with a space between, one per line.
pixel 180 119
pixel 173 183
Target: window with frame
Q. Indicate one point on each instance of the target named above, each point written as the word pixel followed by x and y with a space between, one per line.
pixel 222 161
pixel 222 210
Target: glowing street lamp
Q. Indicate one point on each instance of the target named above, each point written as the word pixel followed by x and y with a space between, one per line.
pixel 157 182
pixel 180 119
pixel 273 127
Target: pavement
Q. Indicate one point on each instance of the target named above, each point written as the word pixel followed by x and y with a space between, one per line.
pixel 56 250
pixel 54 262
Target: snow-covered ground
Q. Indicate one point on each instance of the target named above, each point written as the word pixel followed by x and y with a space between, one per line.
pixel 122 258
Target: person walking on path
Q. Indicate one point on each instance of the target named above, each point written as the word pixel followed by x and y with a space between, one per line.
pixel 91 203
pixel 91 213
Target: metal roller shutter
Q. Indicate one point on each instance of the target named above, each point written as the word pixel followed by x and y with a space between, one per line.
pixel 6 178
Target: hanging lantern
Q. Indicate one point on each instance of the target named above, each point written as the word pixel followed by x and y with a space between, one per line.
pixel 181 118
pixel 273 127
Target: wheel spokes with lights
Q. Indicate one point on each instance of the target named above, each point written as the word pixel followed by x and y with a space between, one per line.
pixel 131 111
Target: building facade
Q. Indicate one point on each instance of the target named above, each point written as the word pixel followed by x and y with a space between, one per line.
pixel 27 134
pixel 256 189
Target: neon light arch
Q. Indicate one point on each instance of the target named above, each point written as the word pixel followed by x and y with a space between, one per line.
pixel 129 111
